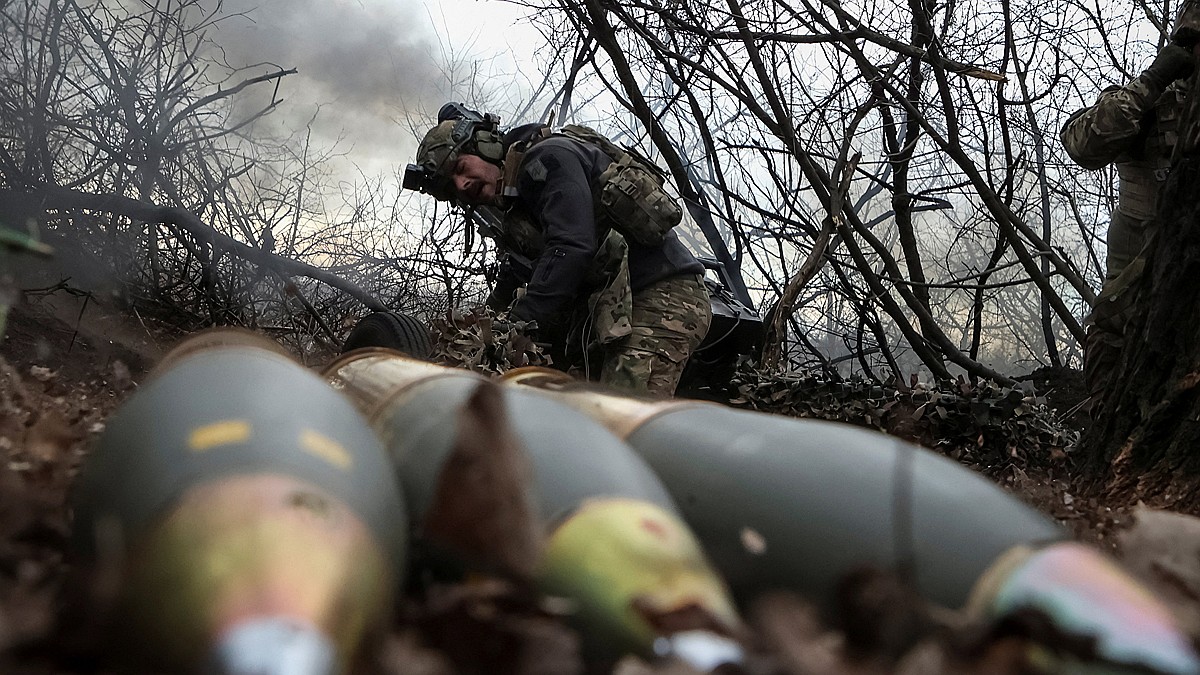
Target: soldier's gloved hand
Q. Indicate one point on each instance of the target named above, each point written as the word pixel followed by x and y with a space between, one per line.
pixel 529 329
pixel 1174 62
pixel 505 325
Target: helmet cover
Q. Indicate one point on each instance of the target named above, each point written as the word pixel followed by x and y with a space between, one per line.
pixel 442 146
pixel 437 154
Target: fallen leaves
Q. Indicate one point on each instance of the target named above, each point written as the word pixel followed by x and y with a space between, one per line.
pixel 1163 550
pixel 50 438
pixel 493 627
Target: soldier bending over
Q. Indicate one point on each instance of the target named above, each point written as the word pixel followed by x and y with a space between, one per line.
pixel 596 225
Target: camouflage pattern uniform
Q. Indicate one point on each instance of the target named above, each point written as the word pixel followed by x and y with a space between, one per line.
pixel 644 309
pixel 670 319
pixel 1136 128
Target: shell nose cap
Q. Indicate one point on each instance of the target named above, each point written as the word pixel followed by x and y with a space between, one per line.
pixel 273 646
pixel 1086 593
pixel 701 650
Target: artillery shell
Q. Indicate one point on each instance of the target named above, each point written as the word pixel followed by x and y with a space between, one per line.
pixel 614 543
pixel 785 503
pixel 253 514
pixel 790 503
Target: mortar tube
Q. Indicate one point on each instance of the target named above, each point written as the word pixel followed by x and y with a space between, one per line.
pixel 786 503
pixel 237 494
pixel 615 545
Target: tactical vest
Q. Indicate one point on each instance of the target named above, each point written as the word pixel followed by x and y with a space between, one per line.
pixel 606 313
pixel 1144 172
pixel 628 196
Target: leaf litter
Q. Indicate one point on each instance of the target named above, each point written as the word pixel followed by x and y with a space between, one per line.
pixel 48 624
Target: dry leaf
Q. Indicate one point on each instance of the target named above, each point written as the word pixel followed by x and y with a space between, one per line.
pixel 50 438
pixel 494 628
pixel 483 506
pixel 1162 548
pixel 792 630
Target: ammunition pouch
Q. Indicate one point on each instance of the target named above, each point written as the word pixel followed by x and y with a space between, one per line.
pixel 630 199
pixel 1139 186
pixel 1115 304
pixel 629 195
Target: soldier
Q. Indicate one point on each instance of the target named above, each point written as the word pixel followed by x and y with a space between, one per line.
pixel 1135 127
pixel 595 224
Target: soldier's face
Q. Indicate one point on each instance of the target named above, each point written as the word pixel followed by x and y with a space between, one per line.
pixel 476 180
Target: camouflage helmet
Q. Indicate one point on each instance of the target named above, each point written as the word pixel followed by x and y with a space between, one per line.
pixel 1186 31
pixel 443 145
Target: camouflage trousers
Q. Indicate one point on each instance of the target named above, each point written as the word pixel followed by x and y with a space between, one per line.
pixel 1107 327
pixel 670 319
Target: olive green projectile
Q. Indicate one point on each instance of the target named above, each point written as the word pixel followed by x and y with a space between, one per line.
pixel 613 541
pixel 254 515
pixel 780 502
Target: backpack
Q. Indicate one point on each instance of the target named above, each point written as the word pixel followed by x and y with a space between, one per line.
pixel 629 194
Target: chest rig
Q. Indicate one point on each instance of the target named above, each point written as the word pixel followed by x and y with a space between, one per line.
pixel 1144 170
pixel 628 196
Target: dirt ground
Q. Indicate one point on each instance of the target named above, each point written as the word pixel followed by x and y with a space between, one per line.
pixel 69 360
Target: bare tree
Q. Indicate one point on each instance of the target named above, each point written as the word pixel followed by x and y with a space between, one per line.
pixel 890 184
pixel 141 149
pixel 950 249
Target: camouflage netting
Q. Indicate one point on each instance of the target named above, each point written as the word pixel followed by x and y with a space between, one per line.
pixel 987 426
pixel 479 340
pixel 982 424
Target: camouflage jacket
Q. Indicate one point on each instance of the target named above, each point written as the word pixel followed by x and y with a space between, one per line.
pixel 1136 128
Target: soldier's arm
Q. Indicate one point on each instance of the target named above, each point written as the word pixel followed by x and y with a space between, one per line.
pixel 511 274
pixel 555 184
pixel 1095 137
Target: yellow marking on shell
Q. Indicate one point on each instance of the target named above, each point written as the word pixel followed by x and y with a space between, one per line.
pixel 613 554
pixel 225 432
pixel 326 448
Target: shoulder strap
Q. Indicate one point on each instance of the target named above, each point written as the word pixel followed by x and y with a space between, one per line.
pixel 592 137
pixel 516 155
pixel 577 132
pixel 626 154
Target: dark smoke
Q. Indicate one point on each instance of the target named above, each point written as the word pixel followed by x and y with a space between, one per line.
pixel 366 63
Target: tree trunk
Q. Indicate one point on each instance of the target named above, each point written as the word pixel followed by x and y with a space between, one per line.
pixel 1146 444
